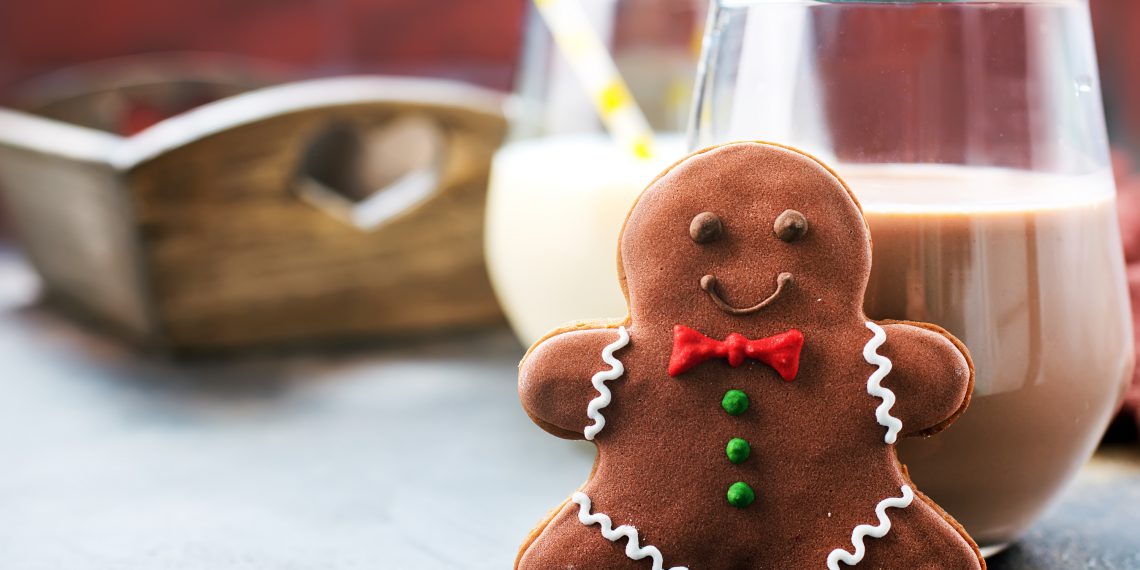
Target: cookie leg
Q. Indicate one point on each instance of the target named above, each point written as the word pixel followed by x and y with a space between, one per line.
pixel 920 539
pixel 567 543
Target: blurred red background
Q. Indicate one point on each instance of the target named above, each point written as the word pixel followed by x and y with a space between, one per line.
pixel 470 40
pixel 1117 25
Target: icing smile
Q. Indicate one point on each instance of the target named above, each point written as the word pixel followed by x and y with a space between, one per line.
pixel 709 285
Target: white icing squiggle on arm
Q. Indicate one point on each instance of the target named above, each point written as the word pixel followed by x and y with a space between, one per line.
pixel 633 548
pixel 874 383
pixel 864 530
pixel 599 381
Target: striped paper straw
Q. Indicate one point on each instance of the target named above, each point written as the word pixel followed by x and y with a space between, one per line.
pixel 595 68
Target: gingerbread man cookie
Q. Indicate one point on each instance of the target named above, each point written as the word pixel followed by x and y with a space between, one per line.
pixel 745 413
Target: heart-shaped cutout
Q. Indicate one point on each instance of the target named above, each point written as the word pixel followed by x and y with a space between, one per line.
pixel 368 176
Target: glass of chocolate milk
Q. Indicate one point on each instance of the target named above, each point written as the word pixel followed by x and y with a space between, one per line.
pixel 973 135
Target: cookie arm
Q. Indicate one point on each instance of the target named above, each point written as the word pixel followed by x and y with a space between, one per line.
pixel 931 375
pixel 555 378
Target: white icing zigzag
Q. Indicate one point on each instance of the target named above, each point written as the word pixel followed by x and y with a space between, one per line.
pixel 865 530
pixel 874 386
pixel 633 548
pixel 599 380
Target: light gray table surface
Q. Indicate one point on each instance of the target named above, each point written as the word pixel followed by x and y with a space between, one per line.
pixel 413 455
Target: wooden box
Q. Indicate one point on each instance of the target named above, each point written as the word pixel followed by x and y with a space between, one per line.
pixel 311 211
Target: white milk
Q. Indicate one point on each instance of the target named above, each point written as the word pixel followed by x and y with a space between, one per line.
pixel 554 210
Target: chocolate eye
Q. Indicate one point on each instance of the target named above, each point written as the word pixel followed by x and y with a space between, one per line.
pixel 790 226
pixel 705 227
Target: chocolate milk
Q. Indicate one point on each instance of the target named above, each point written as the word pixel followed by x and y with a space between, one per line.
pixel 1027 270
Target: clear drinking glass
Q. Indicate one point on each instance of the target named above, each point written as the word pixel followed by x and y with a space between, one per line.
pixel 561 186
pixel 973 134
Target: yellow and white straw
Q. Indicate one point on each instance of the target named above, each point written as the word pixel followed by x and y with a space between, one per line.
pixel 595 68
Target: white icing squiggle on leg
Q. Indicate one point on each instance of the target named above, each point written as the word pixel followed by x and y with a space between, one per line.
pixel 874 383
pixel 633 548
pixel 864 530
pixel 599 381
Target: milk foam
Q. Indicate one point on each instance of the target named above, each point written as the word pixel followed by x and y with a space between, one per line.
pixel 947 189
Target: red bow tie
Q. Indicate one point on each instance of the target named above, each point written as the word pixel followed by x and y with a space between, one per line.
pixel 781 351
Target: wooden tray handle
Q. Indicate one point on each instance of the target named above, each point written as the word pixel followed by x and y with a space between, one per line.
pixel 364 150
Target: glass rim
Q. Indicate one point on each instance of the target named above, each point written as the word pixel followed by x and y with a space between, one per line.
pixel 747 3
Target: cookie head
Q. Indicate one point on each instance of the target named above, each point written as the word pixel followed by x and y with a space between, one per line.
pixel 745 231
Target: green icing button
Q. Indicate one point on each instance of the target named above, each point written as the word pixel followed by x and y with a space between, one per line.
pixel 737 450
pixel 740 495
pixel 734 402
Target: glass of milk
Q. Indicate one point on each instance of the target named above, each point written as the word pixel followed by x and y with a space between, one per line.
pixel 972 133
pixel 561 187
